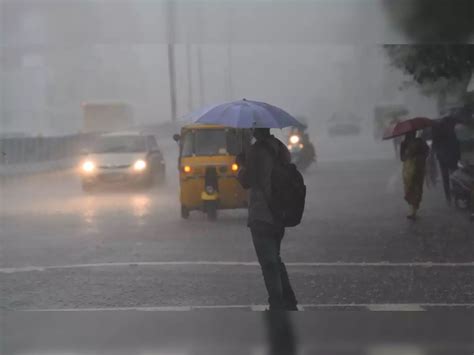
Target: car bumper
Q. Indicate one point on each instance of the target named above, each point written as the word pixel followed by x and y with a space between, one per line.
pixel 115 177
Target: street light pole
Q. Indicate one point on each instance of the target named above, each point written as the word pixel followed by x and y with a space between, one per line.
pixel 202 96
pixel 230 91
pixel 171 57
pixel 230 88
pixel 190 77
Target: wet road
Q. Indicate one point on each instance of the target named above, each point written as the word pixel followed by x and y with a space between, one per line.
pixel 61 249
pixel 257 333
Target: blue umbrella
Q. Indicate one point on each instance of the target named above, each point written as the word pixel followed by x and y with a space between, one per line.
pixel 245 114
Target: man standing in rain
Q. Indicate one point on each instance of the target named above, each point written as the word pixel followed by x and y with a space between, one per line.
pixel 267 231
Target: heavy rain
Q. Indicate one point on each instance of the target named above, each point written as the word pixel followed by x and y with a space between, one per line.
pixel 133 149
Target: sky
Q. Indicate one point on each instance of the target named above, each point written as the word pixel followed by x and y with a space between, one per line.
pixel 312 58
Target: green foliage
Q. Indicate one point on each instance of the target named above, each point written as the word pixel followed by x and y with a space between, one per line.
pixel 430 64
pixel 440 60
pixel 433 21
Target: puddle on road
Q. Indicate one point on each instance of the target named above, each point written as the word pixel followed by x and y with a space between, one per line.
pixel 141 205
pixel 62 195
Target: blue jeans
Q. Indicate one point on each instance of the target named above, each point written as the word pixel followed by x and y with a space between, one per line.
pixel 267 241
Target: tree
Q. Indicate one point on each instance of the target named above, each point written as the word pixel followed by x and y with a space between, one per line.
pixel 439 61
pixel 433 21
pixel 439 69
pixel 429 64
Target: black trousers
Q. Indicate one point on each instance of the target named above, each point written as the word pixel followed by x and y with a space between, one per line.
pixel 472 200
pixel 446 171
pixel 267 241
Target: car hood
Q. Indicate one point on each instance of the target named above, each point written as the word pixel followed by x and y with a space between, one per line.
pixel 116 159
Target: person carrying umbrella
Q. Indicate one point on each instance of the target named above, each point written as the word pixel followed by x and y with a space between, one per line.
pixel 256 166
pixel 267 231
pixel 448 151
pixel 413 154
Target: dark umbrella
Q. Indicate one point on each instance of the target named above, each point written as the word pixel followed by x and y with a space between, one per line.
pixel 404 127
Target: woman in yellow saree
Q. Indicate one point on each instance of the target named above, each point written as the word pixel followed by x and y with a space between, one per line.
pixel 413 153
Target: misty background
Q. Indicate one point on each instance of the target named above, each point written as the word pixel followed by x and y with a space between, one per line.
pixel 312 58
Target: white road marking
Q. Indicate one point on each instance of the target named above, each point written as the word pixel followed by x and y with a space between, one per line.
pixel 426 264
pixel 259 308
pixel 395 349
pixel 395 307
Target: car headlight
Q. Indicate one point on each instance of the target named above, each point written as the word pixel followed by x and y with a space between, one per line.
pixel 139 165
pixel 88 166
pixel 294 139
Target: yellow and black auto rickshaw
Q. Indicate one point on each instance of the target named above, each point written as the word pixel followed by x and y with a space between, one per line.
pixel 207 168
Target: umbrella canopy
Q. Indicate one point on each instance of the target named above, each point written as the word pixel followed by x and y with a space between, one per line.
pixel 245 114
pixel 404 127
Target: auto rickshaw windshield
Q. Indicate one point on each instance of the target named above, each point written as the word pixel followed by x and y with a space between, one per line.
pixel 120 144
pixel 208 142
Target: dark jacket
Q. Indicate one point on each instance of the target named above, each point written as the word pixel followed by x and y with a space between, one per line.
pixel 446 144
pixel 256 176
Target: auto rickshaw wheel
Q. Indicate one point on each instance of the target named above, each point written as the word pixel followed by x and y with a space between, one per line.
pixel 184 212
pixel 211 210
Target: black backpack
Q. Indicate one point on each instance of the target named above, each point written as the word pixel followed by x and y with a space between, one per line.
pixel 288 192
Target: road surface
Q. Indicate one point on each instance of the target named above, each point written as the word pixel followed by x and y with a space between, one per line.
pixel 64 250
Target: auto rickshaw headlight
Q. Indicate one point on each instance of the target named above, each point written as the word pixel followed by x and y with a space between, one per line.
pixel 187 169
pixel 210 189
pixel 294 139
pixel 139 165
pixel 88 166
pixel 235 167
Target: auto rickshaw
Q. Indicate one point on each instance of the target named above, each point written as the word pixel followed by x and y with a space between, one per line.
pixel 207 168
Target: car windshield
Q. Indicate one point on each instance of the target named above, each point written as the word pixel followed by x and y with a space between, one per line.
pixel 120 144
pixel 211 142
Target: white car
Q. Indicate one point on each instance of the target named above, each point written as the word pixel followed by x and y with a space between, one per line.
pixel 122 158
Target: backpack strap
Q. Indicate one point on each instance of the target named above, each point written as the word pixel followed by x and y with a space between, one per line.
pixel 269 148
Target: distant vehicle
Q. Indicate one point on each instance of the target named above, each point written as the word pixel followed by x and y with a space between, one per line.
pixel 462 182
pixel 302 151
pixel 122 158
pixel 465 135
pixel 101 117
pixel 341 124
pixel 208 168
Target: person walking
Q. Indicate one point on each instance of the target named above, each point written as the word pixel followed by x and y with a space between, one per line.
pixel 267 230
pixel 448 152
pixel 413 154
